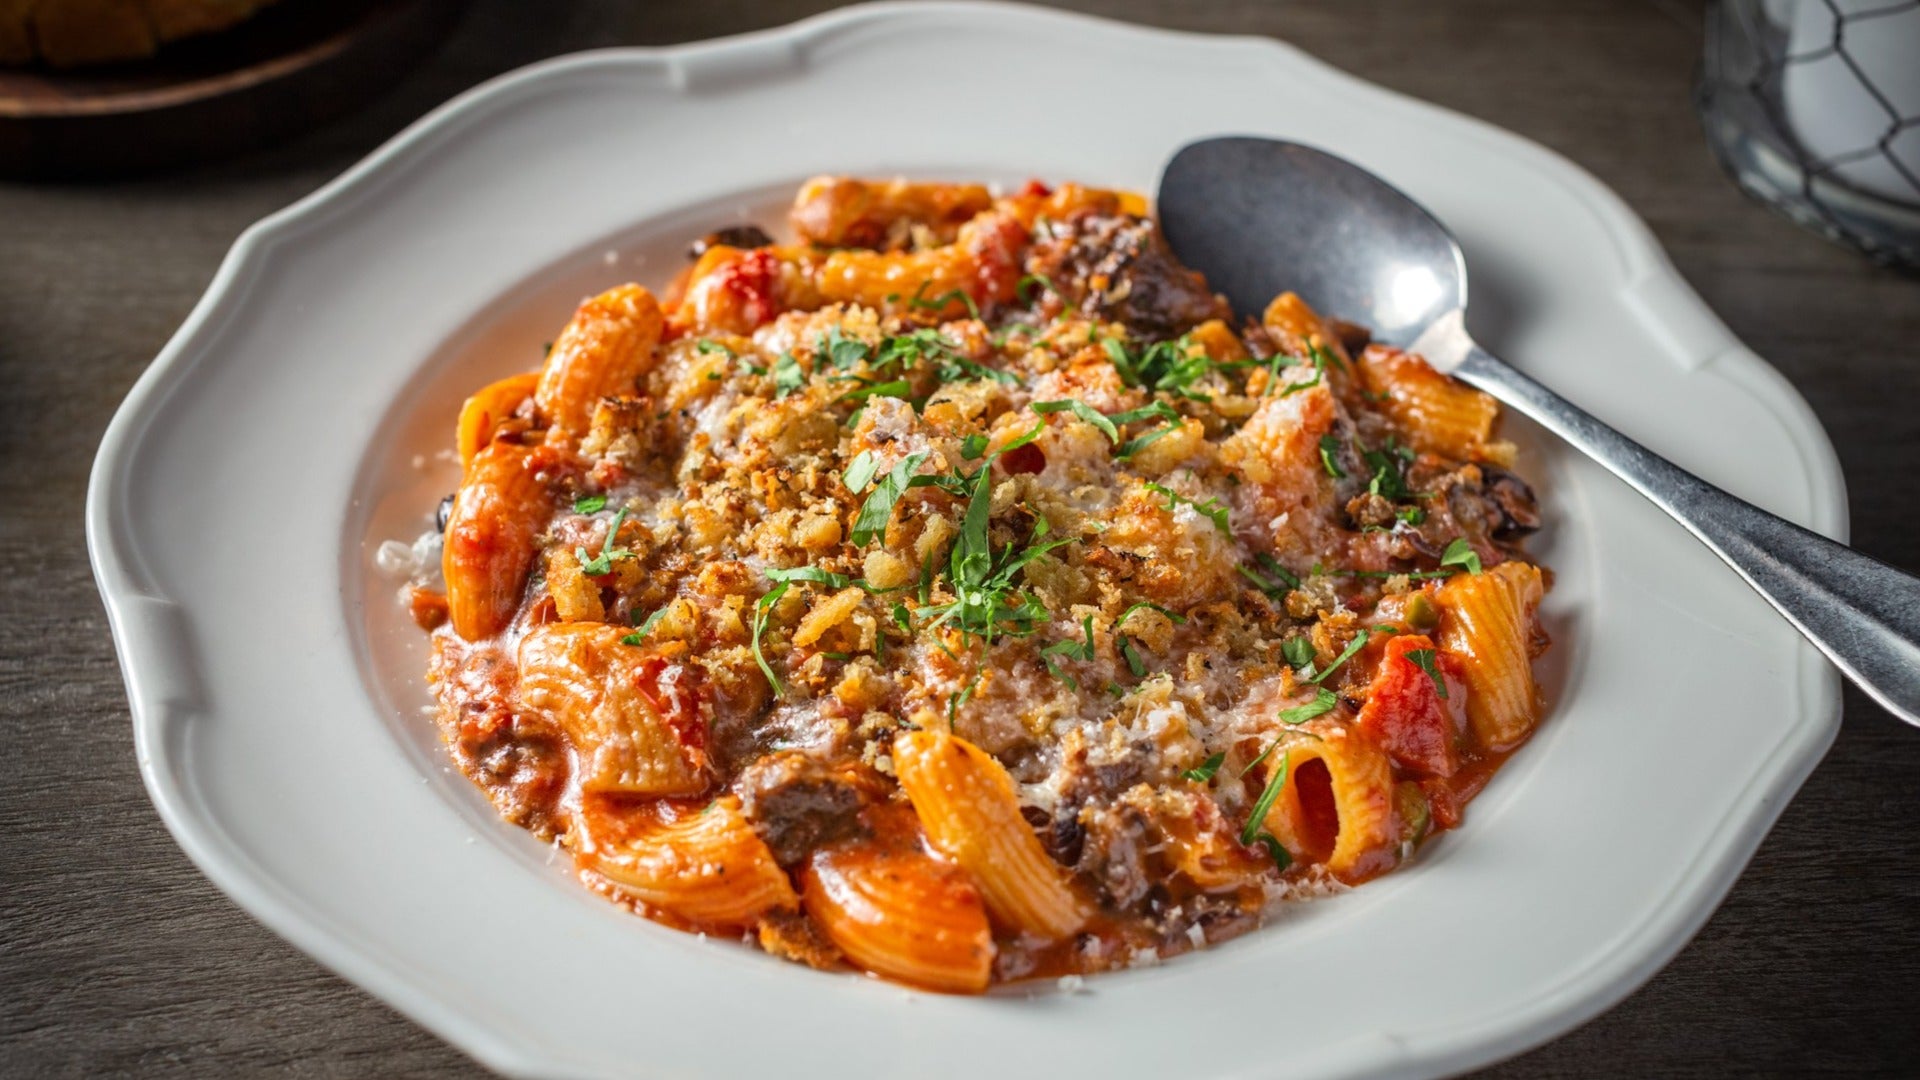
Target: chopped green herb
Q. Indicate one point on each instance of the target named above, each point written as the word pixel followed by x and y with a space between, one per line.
pixel 1082 410
pixel 761 609
pixel 1072 649
pixel 1273 579
pixel 1141 442
pixel 1205 770
pixel 930 346
pixel 645 627
pixel 589 504
pixel 961 698
pixel 1412 515
pixel 940 302
pixel 1460 553
pixel 1423 659
pixel 1323 702
pixel 1388 481
pixel 813 574
pixel 1025 289
pixel 877 511
pixel 596 565
pixel 973 446
pixel 1252 833
pixel 1328 447
pixel 1353 647
pixel 841 351
pixel 899 388
pixel 1172 366
pixel 1324 357
pixel 859 471
pixel 1298 651
pixel 1275 367
pixel 1151 606
pixel 1158 410
pixel 708 345
pixel 1213 509
pixel 788 376
pixel 1134 663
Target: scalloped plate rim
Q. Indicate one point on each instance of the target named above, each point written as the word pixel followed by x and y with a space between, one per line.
pixel 159 691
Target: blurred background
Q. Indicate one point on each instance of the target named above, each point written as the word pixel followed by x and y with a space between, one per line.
pixel 117 958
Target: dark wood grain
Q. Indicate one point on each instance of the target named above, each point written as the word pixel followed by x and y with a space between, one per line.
pixel 116 958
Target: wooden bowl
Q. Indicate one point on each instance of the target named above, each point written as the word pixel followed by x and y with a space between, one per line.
pixel 297 64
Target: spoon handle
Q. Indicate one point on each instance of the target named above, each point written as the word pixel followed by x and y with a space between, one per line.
pixel 1864 614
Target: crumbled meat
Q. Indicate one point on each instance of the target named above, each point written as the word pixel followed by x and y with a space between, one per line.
pixel 738 236
pixel 1119 267
pixel 790 935
pixel 1369 510
pixel 796 802
pixel 1115 852
pixel 1513 511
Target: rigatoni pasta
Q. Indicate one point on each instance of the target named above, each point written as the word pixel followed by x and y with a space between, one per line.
pixel 964 593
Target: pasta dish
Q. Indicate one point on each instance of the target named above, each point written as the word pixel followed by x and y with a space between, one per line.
pixel 962 593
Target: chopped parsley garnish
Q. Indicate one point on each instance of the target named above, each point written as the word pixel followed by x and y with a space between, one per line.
pixel 596 565
pixel 1252 833
pixel 1025 289
pixel 589 504
pixel 1272 578
pixel 1320 357
pixel 930 346
pixel 1204 771
pixel 1134 663
pixel 1412 515
pixel 1072 650
pixel 1172 366
pixel 1299 651
pixel 1141 442
pixel 1082 410
pixel 1388 481
pixel 811 573
pixel 1423 659
pixel 788 375
pixel 1150 606
pixel 899 388
pixel 708 345
pixel 1461 554
pixel 1213 509
pixel 859 471
pixel 985 602
pixel 973 446
pixel 1323 702
pixel 841 351
pixel 1330 446
pixel 1353 647
pixel 761 609
pixel 644 628
pixel 877 511
pixel 1158 410
pixel 938 303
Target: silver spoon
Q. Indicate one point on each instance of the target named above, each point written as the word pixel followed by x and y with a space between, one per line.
pixel 1257 216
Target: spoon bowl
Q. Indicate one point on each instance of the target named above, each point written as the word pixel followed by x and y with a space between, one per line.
pixel 1328 229
pixel 1258 216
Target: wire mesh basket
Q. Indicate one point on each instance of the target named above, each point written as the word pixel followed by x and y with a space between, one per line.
pixel 1813 108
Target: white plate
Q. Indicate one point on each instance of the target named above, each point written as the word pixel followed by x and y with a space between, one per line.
pixel 275 689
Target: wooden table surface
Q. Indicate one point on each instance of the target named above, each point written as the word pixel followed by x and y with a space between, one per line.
pixel 116 957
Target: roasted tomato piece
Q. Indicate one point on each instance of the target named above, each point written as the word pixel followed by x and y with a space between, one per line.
pixel 1418 718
